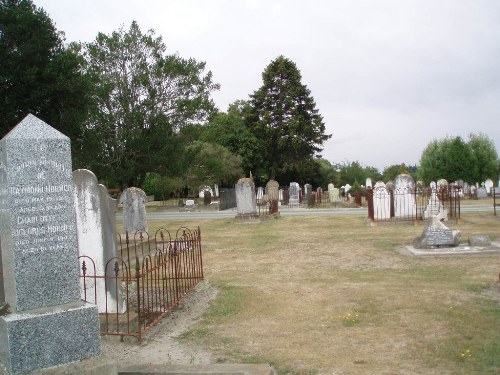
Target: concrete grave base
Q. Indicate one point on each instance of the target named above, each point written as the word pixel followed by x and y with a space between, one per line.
pixel 462 249
pixel 49 337
pixel 92 366
pixel 216 369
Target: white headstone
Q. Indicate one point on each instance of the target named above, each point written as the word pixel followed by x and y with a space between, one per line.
pixel 404 196
pixel 488 184
pixel 368 183
pixel 381 201
pixel 96 227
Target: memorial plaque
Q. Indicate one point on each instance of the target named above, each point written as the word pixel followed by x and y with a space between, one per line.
pixel 438 237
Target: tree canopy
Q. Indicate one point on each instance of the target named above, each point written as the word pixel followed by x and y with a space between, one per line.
pixel 453 159
pixel 283 116
pixel 38 74
pixel 143 97
pixel 485 155
pixel 228 129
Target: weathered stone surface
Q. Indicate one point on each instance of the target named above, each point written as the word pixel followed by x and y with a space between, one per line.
pixel 47 323
pixel 245 198
pixel 134 210
pixel 436 234
pixel 479 241
pixel 38 225
pixel 49 337
pixel 96 225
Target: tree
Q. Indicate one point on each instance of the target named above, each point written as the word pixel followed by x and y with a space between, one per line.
pixel 283 116
pixel 143 97
pixel 209 164
pixel 449 158
pixel 230 131
pixel 392 171
pixel 38 74
pixel 486 158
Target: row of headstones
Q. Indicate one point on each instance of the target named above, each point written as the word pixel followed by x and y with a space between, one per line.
pixel 272 192
pixel 247 198
pixel 463 188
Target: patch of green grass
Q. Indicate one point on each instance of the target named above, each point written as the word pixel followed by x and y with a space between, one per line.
pixel 475 287
pixel 228 302
pixel 475 344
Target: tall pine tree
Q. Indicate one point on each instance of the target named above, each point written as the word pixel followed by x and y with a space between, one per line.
pixel 284 117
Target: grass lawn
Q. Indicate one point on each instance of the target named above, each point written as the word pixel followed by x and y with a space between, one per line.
pixel 330 295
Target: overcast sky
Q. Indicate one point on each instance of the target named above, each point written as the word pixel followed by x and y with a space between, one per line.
pixel 388 76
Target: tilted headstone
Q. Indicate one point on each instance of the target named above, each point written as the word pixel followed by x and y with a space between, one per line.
pixel 246 204
pixel 436 234
pixel 134 210
pixel 48 324
pixel 96 226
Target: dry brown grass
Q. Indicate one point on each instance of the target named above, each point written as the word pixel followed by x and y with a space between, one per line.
pixel 288 286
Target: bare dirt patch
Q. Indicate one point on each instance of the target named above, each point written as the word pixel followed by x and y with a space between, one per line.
pixel 161 345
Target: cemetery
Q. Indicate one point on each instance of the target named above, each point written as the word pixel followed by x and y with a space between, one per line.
pixel 145 229
pixel 123 279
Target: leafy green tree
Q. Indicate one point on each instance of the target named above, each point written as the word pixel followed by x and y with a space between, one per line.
pixel 449 158
pixel 283 116
pixel 392 171
pixel 143 97
pixel 38 74
pixel 486 157
pixel 209 164
pixel 325 173
pixel 230 131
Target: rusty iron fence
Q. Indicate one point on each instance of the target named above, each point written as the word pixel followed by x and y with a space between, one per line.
pixel 496 199
pixel 404 204
pixel 148 280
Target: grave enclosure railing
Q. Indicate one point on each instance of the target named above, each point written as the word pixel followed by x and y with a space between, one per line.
pixel 387 205
pixel 148 280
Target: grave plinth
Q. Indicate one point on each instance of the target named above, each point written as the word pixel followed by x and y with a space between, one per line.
pixel 46 324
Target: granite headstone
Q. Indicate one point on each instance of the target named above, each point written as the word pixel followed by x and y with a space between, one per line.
pixel 47 324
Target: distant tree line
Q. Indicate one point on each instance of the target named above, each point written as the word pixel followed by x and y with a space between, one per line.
pixel 139 116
